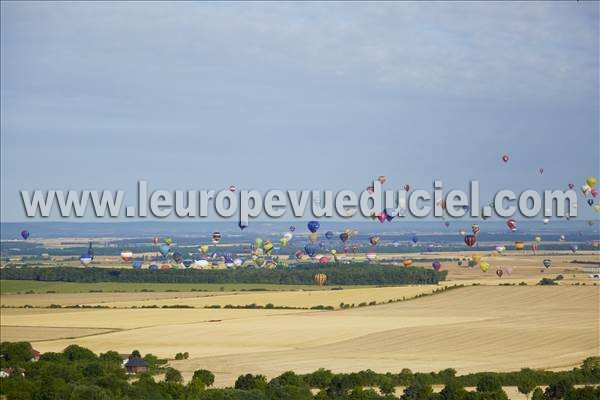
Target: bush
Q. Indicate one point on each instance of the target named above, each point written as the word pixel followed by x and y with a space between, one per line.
pixel 205 376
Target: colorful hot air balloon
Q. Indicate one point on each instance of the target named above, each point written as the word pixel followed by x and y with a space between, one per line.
pixel 153 267
pixel 436 264
pixel 484 266
pixel 547 263
pixel 591 181
pixel 320 279
pixel 407 187
pixel 24 234
pixel 499 272
pixel 312 237
pixel 203 248
pixel 177 258
pixel 168 241
pixel 574 248
pixel 232 188
pixel 541 170
pixel 324 260
pixel 126 255
pixel 164 249
pixel 407 263
pixel 505 158
pixel 216 237
pixel 475 228
pixel 374 240
pixel 313 226
pixel 283 242
pixel 476 258
pixel 299 254
pixel 268 247
pixel 155 240
pixel 470 240
pixel 381 179
pixel 415 239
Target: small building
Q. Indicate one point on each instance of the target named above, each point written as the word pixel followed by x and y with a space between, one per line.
pixel 8 372
pixel 35 355
pixel 135 365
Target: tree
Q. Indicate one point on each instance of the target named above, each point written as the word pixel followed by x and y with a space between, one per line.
pixel 204 376
pixel 489 383
pixel 135 353
pixel 584 393
pixel 418 390
pixel 558 389
pixel 538 394
pixel 250 382
pixel 526 385
pixel 453 391
pixel 386 385
pixel 194 389
pixel 78 353
pixel 15 351
pixel 173 375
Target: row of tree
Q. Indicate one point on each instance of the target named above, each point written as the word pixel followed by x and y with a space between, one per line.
pixel 354 274
pixel 77 373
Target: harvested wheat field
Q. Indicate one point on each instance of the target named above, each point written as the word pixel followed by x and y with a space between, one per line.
pixel 469 329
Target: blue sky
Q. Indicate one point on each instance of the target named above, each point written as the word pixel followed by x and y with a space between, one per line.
pixel 99 95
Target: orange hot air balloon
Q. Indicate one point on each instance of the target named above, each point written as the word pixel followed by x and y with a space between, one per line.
pixel 320 279
pixel 407 263
pixel 519 245
pixel 382 179
pixel 476 258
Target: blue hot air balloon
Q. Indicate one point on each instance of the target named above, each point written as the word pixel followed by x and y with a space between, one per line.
pixel 329 235
pixel 153 267
pixel 137 264
pixel 415 239
pixel 310 249
pixel 228 258
pixel 25 233
pixel 187 263
pixel 313 226
pixel 164 249
pixel 177 258
pixel 547 263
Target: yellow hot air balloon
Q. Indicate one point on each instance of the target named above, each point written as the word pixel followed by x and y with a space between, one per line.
pixel 268 247
pixel 476 258
pixel 591 181
pixel 258 242
pixel 283 242
pixel 203 249
pixel 519 245
pixel 334 251
pixel 320 279
pixel 484 265
pixel 312 237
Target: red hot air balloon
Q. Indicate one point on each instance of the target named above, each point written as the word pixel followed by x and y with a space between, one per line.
pixel 505 158
pixel 436 265
pixel 470 240
pixel 512 224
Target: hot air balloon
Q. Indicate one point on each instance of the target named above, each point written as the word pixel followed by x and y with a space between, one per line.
pixel 370 188
pixel 470 240
pixel 203 248
pixel 299 254
pixel 85 259
pixel 505 158
pixel 546 221
pixel 547 263
pixel 324 260
pixel 381 179
pixel 407 187
pixel 312 237
pixel 538 239
pixel 313 226
pixel 500 249
pixel 476 258
pixel 371 255
pixel 590 202
pixel 512 224
pixel 534 246
pixel 153 267
pixel 382 216
pixel 283 242
pixel 165 266
pixel 155 240
pixel 238 262
pixel 594 193
pixel 519 245
pixel 407 263
pixel 232 188
pixel 562 238
pixel 320 279
pixel 177 258
pixel 344 237
pixel 436 265
pixel 329 235
pixel 310 249
pixel 126 255
pixel 24 234
pixel 571 186
pixel 228 258
pixel 541 170
pixel 259 261
pixel 396 243
pixel 216 237
pixel 499 272
pixel 574 248
pixel 586 189
pixel 292 228
pixel 415 239
pixel 136 264
pixel 484 266
pixel 163 249
pixel 268 247
pixel 374 240
pixel 475 228
pixel 168 241
pixel 591 181
pixel 509 270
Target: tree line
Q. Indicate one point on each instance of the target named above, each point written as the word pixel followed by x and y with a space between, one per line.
pixel 77 373
pixel 354 274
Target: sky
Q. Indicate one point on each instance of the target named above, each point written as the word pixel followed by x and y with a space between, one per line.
pixel 192 95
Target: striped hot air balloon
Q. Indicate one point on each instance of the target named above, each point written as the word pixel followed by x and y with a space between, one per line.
pixel 470 240
pixel 320 279
pixel 126 255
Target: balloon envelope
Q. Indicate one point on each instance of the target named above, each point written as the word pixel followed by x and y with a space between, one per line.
pixel 313 226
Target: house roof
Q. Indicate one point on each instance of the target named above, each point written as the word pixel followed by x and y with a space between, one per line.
pixel 35 353
pixel 136 362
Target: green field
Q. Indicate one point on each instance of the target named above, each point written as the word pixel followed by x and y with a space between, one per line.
pixel 15 286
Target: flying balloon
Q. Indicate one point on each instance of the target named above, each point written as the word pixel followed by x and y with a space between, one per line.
pixel 24 234
pixel 547 263
pixel 216 237
pixel 505 158
pixel 436 265
pixel 313 226
pixel 470 240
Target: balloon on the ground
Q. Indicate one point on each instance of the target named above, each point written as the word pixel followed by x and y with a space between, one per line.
pixel 499 272
pixel 519 245
pixel 436 264
pixel 484 266
pixel 547 263
pixel 126 255
pixel 85 259
pixel 320 279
